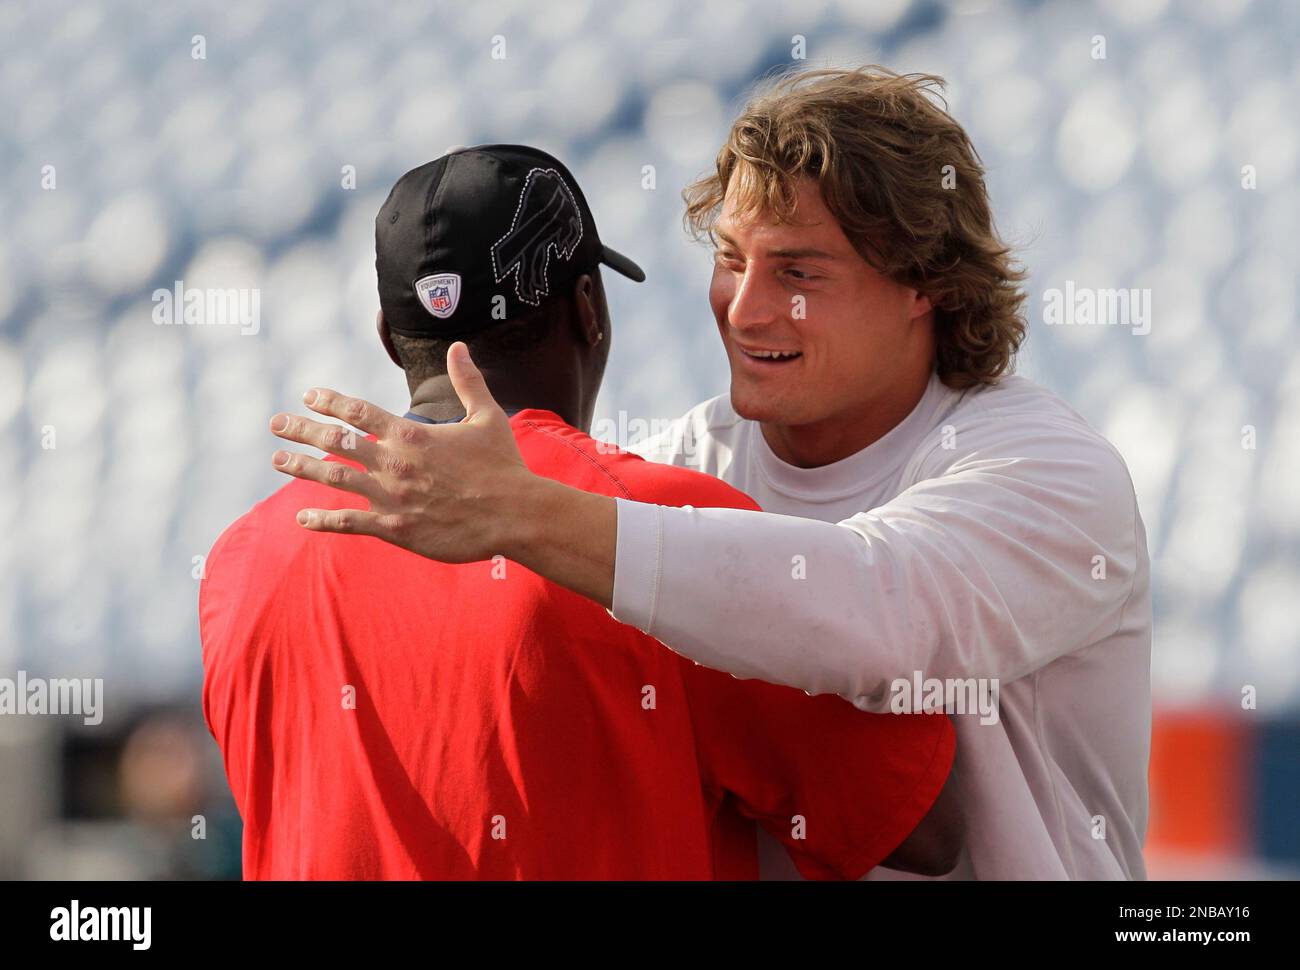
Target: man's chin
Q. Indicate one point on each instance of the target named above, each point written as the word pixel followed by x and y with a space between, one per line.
pixel 766 407
pixel 753 406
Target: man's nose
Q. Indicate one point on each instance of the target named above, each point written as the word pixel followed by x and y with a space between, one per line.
pixel 758 301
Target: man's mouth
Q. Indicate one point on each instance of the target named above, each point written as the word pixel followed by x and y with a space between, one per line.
pixel 769 356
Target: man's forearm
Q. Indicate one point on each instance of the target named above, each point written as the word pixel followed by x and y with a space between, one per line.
pixel 567 535
pixel 727 589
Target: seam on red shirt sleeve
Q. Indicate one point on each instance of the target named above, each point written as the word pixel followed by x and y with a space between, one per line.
pixel 550 433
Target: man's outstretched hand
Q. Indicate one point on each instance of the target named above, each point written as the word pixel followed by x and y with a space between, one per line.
pixel 452 492
pixel 433 489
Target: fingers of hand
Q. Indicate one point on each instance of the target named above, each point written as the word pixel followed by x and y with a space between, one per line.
pixel 349 522
pixel 336 439
pixel 370 418
pixel 332 473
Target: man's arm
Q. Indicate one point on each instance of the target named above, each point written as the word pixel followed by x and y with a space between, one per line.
pixel 934 846
pixel 990 570
pixel 842 790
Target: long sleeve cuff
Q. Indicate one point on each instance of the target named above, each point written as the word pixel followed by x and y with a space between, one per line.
pixel 637 563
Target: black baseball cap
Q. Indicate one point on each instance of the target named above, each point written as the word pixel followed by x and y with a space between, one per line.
pixel 490 228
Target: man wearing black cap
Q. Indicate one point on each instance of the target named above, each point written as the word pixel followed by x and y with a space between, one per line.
pixel 495 245
pixel 384 716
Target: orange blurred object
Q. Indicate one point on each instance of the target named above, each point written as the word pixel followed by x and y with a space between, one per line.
pixel 1200 783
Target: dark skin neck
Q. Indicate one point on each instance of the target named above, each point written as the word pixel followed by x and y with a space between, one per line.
pixel 568 397
pixel 562 375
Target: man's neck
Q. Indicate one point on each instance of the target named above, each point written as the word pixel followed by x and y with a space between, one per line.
pixel 436 399
pixel 840 436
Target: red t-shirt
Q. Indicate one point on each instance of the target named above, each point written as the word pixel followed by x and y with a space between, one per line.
pixel 383 716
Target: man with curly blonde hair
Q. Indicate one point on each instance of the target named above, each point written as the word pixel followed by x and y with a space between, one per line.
pixel 937 533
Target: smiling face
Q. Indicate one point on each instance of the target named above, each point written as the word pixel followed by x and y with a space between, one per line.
pixel 825 352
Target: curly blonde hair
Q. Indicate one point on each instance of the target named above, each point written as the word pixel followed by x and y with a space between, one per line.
pixel 904 182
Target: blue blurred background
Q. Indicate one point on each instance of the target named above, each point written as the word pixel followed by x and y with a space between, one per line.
pixel 128 162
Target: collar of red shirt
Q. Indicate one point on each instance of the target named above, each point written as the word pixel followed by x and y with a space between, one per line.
pixel 423 420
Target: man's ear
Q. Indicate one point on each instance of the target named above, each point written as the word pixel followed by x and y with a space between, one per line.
pixel 588 321
pixel 386 338
pixel 921 306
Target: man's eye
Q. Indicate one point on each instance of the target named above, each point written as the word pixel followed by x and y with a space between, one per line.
pixel 802 276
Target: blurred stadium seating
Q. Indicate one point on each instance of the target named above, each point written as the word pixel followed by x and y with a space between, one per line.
pixel 229 171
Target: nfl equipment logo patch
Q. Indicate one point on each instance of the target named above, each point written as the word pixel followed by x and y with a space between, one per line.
pixel 439 293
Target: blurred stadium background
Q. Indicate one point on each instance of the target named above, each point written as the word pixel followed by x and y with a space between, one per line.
pixel 229 170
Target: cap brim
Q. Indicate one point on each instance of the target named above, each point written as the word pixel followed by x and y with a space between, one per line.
pixel 621 264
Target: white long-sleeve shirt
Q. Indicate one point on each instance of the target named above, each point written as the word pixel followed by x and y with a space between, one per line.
pixel 992 534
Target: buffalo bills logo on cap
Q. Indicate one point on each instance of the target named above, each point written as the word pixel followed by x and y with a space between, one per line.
pixel 547 217
pixel 439 293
